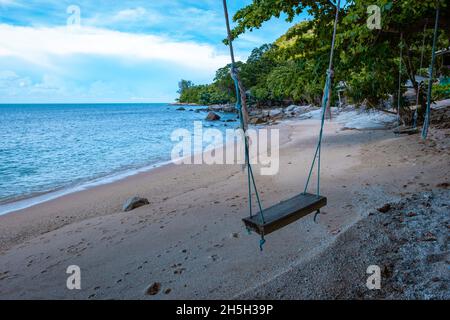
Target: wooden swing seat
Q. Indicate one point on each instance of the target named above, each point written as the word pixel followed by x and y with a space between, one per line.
pixel 285 213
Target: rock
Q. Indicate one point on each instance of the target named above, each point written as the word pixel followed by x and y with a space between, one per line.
pixel 197 111
pixel 302 109
pixel 167 291
pixel 258 120
pixel 181 109
pixel 135 202
pixel 443 185
pixel 429 236
pixel 229 109
pixel 212 116
pixel 385 208
pixel 291 108
pixel 153 289
pixel 275 113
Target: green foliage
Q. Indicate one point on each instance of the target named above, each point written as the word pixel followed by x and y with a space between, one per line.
pixel 293 68
pixel 441 92
pixel 204 95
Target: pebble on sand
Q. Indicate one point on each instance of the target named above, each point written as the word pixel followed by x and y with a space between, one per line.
pixel 385 208
pixel 153 289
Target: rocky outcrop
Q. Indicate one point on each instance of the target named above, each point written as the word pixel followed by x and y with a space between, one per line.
pixel 271 116
pixel 227 108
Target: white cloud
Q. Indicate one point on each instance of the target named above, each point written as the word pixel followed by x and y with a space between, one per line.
pixel 39 45
pixel 125 17
pixel 9 80
pixel 130 14
pixel 8 2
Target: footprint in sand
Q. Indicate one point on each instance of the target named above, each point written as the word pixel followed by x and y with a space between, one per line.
pixel 214 257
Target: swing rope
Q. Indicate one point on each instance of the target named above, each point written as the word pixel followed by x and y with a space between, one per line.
pixel 318 153
pixel 426 123
pixel 250 176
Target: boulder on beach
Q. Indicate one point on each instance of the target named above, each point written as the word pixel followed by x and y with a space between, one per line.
pixel 212 116
pixel 134 202
pixel 181 109
pixel 291 108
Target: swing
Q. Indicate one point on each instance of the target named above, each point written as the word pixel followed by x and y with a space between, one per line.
pixel 288 211
pixel 285 213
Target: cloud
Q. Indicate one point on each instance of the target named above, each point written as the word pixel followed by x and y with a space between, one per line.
pixel 8 3
pixel 39 44
pixel 124 19
pixel 130 14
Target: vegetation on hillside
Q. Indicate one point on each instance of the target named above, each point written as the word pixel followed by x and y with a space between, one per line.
pixel 292 69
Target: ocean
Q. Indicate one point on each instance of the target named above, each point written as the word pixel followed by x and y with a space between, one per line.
pixel 47 150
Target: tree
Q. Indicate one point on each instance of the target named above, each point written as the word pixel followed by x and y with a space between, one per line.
pixel 184 85
pixel 366 59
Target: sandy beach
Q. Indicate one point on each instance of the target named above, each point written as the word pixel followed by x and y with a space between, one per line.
pixel 190 240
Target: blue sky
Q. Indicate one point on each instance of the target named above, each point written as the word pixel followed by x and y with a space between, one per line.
pixel 123 51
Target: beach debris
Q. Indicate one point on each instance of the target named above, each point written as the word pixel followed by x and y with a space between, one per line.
pixel 153 289
pixel 181 109
pixel 135 202
pixel 212 116
pixel 385 208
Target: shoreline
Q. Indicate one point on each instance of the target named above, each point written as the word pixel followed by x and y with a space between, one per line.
pixel 25 202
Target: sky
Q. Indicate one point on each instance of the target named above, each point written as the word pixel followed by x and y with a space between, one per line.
pixel 86 51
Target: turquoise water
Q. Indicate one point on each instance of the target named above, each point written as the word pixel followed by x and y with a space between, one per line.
pixel 44 148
